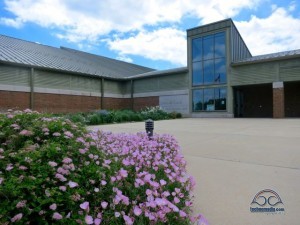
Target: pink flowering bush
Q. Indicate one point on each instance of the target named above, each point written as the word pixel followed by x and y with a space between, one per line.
pixel 53 171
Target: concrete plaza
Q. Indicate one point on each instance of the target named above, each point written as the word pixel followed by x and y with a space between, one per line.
pixel 232 160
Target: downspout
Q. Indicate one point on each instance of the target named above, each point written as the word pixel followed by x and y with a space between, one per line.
pixel 131 95
pixel 102 92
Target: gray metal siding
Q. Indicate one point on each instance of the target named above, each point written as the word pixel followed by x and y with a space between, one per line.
pixel 113 87
pixel 14 76
pixel 51 80
pixel 239 49
pixel 266 72
pixel 289 70
pixel 254 74
pixel 163 83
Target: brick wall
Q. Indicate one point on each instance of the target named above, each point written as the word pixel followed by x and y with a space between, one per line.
pixel 58 103
pixel 116 103
pixel 278 102
pixel 143 102
pixel 14 99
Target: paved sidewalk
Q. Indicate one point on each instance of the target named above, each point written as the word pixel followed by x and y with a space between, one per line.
pixel 232 160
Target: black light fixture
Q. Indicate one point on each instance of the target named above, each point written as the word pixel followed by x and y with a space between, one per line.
pixel 149 126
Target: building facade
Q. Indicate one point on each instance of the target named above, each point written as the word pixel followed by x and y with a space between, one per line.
pixel 222 79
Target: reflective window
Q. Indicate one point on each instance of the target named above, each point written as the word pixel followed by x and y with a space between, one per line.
pixel 208 47
pixel 197 49
pixel 208 71
pixel 220 70
pixel 197 73
pixel 198 100
pixel 220 98
pixel 220 45
pixel 209 60
pixel 209 103
pixel 209 99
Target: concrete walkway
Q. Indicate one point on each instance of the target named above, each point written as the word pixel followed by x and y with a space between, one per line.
pixel 232 160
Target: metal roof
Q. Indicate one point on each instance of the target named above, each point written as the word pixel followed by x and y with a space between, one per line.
pixel 160 73
pixel 269 57
pixel 17 51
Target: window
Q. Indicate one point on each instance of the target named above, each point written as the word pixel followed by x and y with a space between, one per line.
pixel 209 60
pixel 209 99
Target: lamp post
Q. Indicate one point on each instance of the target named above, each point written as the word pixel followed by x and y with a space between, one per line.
pixel 149 126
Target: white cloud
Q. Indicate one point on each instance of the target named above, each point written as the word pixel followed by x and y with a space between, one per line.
pixel 214 10
pixel 92 21
pixel 125 58
pixel 278 32
pixel 168 44
pixel 16 23
pixel 89 19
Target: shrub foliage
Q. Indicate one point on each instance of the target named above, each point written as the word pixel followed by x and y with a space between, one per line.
pixel 55 172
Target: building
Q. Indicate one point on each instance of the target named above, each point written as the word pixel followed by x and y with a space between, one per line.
pixel 222 79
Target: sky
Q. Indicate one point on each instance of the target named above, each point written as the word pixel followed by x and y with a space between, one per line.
pixel 150 33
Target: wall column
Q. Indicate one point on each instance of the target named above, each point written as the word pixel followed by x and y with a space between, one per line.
pixel 102 93
pixel 32 89
pixel 131 94
pixel 278 99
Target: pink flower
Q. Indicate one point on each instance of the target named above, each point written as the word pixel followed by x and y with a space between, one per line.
pixel 21 204
pixel 97 221
pixel 57 216
pixel 176 200
pixel 137 211
pixel 45 129
pixel 182 213
pixel 162 182
pixel 52 164
pixel 117 214
pixel 88 219
pixel 60 177
pixel 85 206
pixel 62 188
pixel 68 134
pixel 67 160
pixel 72 184
pixel 53 206
pixel 128 220
pixel 56 134
pixel 104 204
pixel 9 167
pixel 103 182
pixel 123 173
pixel 17 217
pixel 23 168
pixel 26 133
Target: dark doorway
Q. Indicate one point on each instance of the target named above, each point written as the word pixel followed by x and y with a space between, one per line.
pixel 253 101
pixel 292 99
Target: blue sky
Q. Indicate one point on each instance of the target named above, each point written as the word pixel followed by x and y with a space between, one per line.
pixel 151 33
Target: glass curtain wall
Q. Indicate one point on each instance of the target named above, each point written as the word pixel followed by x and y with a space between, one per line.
pixel 209 69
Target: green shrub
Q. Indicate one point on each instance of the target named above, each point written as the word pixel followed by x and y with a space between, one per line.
pixel 54 172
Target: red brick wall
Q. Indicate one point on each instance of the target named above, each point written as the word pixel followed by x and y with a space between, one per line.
pixel 116 103
pixel 278 102
pixel 14 99
pixel 143 102
pixel 58 103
